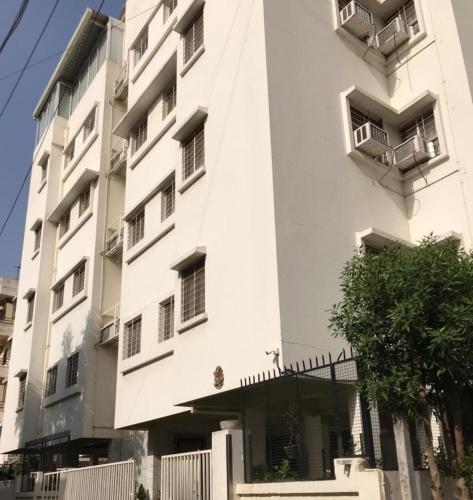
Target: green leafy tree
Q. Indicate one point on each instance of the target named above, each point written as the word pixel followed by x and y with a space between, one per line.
pixel 408 314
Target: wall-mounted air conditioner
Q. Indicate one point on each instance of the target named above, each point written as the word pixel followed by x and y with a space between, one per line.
pixel 411 153
pixel 371 139
pixel 392 36
pixel 356 19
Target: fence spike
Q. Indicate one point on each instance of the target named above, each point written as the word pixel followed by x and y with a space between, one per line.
pixel 292 369
pixel 258 378
pixel 303 365
pixel 297 366
pixel 317 361
pixel 323 360
pixel 344 354
pixel 330 357
pixel 310 362
pixel 274 371
pixel 351 351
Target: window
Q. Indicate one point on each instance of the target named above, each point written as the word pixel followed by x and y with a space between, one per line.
pixel 169 8
pixel 193 291
pixel 168 200
pixel 30 308
pixel 139 135
pixel 194 37
pixel 407 12
pixel 423 125
pixel 51 381
pixel 359 118
pixel 64 223
pixel 169 99
pixel 140 46
pixel 37 236
pixel 58 297
pixel 44 168
pixel 72 369
pixel 132 340
pixel 21 392
pixel 84 201
pixel 193 153
pixel 166 320
pixel 69 153
pixel 78 281
pixel 89 125
pixel 136 229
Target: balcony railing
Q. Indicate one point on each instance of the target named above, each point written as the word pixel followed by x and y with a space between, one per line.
pixel 110 325
pixel 121 84
pixel 118 157
pixel 114 241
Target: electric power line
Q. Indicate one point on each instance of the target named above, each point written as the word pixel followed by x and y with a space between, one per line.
pixel 15 23
pixel 17 197
pixel 48 20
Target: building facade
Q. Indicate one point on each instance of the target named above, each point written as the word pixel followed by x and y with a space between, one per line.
pixel 203 170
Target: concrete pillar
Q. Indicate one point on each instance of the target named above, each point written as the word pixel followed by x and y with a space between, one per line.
pixel 356 422
pixel 404 459
pixel 227 463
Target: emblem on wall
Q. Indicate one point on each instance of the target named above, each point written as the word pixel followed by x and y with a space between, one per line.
pixel 218 377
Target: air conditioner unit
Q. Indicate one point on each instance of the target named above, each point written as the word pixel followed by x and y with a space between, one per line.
pixel 393 35
pixel 411 153
pixel 356 19
pixel 371 139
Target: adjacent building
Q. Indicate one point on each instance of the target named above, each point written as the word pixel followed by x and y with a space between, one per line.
pixel 203 169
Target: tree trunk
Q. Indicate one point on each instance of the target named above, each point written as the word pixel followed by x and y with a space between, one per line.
pixel 447 436
pixel 463 490
pixel 436 484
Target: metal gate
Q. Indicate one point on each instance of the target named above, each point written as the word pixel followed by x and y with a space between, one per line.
pixel 187 476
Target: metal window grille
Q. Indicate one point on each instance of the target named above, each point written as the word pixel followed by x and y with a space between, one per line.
pixel 193 291
pixel 193 153
pixel 166 320
pixel 37 237
pixel 194 37
pixel 59 297
pixel 64 223
pixel 141 46
pixel 89 124
pixel 136 229
pixel 72 369
pixel 30 309
pixel 21 392
pixel 359 118
pixel 407 11
pixel 169 8
pixel 69 153
pixel 139 136
pixel 423 125
pixel 169 99
pixel 78 280
pixel 84 201
pixel 132 340
pixel 168 200
pixel 51 381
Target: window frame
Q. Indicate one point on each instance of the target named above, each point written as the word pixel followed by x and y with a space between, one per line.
pixel 193 290
pixel 84 201
pixel 193 152
pixel 136 228
pixel 78 279
pixel 65 223
pixel 37 237
pixel 30 303
pixel 193 36
pixel 166 319
pixel 89 125
pixel 169 99
pixel 139 135
pixel 72 370
pixel 132 337
pixel 168 199
pixel 140 45
pixel 58 296
pixel 21 392
pixel 51 381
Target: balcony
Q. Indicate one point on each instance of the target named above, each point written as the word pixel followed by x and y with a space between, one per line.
pixel 121 85
pixel 371 139
pixel 392 36
pixel 118 158
pixel 410 153
pixel 114 240
pixel 356 19
pixel 110 325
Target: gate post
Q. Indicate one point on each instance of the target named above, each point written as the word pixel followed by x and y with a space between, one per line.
pixel 227 463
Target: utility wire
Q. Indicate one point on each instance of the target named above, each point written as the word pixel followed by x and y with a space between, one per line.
pixel 15 23
pixel 17 197
pixel 29 57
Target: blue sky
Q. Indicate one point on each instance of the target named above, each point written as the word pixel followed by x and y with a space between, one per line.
pixel 17 128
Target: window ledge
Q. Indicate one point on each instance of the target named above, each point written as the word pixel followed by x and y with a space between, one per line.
pixel 28 326
pixel 192 179
pixel 131 369
pixel 85 147
pixel 188 65
pixel 35 254
pixel 146 246
pixel 169 121
pixel 41 186
pixel 144 61
pixel 60 313
pixel 433 162
pixel 191 323
pixel 68 236
pixel 18 410
pixel 53 399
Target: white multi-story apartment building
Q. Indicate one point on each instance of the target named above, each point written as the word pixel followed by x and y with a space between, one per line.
pixel 203 170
